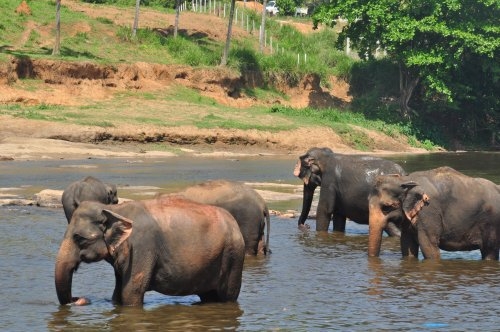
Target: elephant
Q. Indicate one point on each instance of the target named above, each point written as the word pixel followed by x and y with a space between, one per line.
pixel 438 209
pixel 87 189
pixel 167 244
pixel 244 203
pixel 345 182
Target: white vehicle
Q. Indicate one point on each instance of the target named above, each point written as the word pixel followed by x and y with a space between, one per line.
pixel 301 11
pixel 271 8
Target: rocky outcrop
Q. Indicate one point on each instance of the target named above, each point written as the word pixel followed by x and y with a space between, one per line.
pixel 49 198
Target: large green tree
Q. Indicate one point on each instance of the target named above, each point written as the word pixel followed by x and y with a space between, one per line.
pixel 449 47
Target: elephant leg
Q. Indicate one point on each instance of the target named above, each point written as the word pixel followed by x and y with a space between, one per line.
pixel 210 296
pixel 490 247
pixel 134 285
pixel 409 244
pixel 322 224
pixel 490 253
pixel 229 286
pixel 339 222
pixel 430 248
pixel 117 293
pixel 325 210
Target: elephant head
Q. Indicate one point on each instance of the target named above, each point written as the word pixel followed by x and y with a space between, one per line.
pixel 93 234
pixel 309 169
pixel 392 199
pixel 309 166
pixel 112 193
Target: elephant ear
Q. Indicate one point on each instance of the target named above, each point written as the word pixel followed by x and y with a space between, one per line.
pixel 312 171
pixel 414 201
pixel 303 167
pixel 118 229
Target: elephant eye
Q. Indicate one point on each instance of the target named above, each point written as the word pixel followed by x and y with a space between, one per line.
pixel 389 207
pixel 82 241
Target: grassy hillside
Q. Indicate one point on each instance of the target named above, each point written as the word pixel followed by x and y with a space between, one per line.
pixel 101 34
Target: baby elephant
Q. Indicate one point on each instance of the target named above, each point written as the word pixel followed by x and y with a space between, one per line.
pixel 167 244
pixel 87 189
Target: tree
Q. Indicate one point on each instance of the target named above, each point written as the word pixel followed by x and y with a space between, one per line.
pixel 57 44
pixel 430 40
pixel 225 55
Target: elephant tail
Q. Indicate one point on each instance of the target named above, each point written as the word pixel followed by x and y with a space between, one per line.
pixel 268 229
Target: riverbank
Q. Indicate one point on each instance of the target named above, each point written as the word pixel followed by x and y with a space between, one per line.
pixel 25 139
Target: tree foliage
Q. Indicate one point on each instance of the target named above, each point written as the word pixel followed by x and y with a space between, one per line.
pixel 286 7
pixel 450 47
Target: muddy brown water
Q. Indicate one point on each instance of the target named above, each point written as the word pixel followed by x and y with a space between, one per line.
pixel 311 282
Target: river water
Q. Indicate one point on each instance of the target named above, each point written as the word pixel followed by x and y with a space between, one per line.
pixel 311 282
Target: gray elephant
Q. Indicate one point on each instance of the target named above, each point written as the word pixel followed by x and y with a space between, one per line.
pixel 168 244
pixel 345 182
pixel 87 189
pixel 244 203
pixel 438 209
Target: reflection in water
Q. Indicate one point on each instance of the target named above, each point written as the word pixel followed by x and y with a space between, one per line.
pixel 423 275
pixel 452 293
pixel 171 317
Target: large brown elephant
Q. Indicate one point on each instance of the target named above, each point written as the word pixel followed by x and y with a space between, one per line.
pixel 168 244
pixel 345 182
pixel 438 209
pixel 244 203
pixel 87 189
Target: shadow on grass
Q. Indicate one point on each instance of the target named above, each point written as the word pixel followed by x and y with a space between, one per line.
pixel 65 52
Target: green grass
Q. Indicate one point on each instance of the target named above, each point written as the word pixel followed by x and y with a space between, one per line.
pixel 214 121
pixel 106 43
pixel 342 122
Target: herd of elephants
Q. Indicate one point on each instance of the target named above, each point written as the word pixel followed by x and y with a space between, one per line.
pixel 195 241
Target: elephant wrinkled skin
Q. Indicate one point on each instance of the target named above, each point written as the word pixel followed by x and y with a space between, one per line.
pixel 168 244
pixel 244 203
pixel 87 189
pixel 345 183
pixel 438 209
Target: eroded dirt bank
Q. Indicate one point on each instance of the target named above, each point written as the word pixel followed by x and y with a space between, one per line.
pixel 69 83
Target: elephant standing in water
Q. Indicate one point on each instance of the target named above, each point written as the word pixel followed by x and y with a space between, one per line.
pixel 87 189
pixel 438 209
pixel 345 183
pixel 244 203
pixel 168 244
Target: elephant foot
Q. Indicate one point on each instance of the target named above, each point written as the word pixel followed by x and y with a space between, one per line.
pixel 79 301
pixel 304 227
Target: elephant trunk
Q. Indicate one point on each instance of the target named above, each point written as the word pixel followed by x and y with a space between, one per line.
pixel 307 199
pixel 66 263
pixel 376 225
